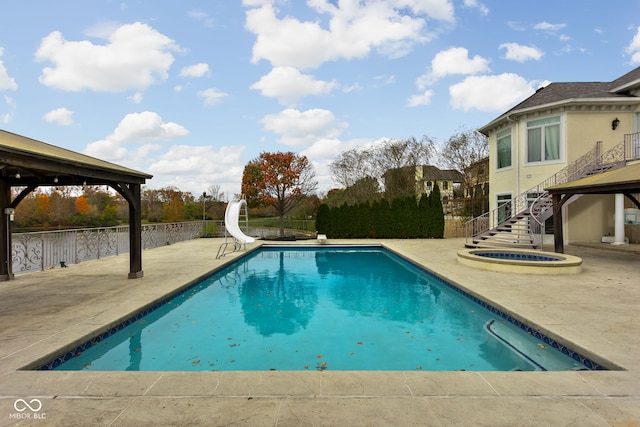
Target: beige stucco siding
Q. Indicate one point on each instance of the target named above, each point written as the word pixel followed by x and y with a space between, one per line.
pixel 584 129
pixel 590 217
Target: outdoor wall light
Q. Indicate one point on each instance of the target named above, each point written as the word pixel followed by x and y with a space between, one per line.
pixel 55 179
pixel 615 123
pixel 18 175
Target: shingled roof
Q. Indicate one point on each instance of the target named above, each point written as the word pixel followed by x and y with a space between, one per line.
pixel 621 88
pixel 433 173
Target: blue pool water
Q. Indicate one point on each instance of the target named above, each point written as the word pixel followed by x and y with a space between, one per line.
pixel 516 256
pixel 319 308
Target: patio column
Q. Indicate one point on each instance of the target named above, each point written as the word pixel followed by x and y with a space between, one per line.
pixel 5 232
pixel 619 220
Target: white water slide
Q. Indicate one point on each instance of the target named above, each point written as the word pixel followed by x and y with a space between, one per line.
pixel 231 221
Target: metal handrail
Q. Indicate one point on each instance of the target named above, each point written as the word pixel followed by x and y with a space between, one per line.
pixel 629 149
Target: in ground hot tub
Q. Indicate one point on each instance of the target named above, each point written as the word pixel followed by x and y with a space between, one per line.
pixel 520 261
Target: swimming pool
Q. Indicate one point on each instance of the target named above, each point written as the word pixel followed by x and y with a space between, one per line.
pixel 282 308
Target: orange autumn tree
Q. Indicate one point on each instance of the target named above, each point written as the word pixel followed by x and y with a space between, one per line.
pixel 280 180
pixel 82 205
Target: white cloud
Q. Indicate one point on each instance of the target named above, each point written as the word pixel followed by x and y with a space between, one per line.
pixel 483 9
pixel 288 85
pixel 520 53
pixel 136 98
pixel 206 20
pixel 355 29
pixel 299 128
pixel 197 70
pixel 198 167
pixel 211 96
pixel 107 149
pixel 634 49
pixel 6 82
pixel 420 99
pixel 192 160
pixel 144 127
pixel 324 151
pixel 356 87
pixel 489 93
pixel 61 116
pixel 546 26
pixel 454 60
pixel 6 118
pixel 135 57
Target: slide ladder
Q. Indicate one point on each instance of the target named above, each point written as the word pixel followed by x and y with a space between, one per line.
pixel 232 226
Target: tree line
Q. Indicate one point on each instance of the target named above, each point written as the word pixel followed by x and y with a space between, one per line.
pixel 97 206
pixel 274 184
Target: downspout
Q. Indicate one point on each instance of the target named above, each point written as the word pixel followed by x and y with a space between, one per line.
pixel 516 153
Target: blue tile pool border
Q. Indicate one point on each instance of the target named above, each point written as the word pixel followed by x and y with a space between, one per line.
pixel 65 356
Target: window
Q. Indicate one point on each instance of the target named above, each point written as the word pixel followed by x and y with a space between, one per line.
pixel 543 140
pixel 445 185
pixel 504 207
pixel 504 148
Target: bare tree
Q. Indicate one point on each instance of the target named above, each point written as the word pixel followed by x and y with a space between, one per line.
pixel 400 153
pixel 460 152
pixel 396 162
pixel 352 166
pixel 464 148
pixel 357 169
pixel 215 193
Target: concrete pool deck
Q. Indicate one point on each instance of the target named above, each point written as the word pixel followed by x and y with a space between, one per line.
pixel 595 310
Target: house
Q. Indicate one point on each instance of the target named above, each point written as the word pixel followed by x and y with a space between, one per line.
pixel 419 180
pixel 476 188
pixel 449 181
pixel 561 133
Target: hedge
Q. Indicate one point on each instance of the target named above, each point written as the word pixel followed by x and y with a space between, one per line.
pixel 405 218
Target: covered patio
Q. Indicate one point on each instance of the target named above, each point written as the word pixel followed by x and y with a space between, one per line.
pixel 26 164
pixel 623 182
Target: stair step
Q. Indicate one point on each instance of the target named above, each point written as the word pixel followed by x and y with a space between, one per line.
pixel 489 244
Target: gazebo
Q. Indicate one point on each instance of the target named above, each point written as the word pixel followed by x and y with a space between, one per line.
pixel 623 182
pixel 27 164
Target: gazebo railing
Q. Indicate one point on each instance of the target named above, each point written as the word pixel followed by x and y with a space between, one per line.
pixel 43 250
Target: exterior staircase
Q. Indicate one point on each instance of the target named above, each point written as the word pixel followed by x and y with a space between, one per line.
pixel 519 222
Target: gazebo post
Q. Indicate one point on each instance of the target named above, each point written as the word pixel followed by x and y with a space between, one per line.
pixel 135 233
pixel 558 238
pixel 5 232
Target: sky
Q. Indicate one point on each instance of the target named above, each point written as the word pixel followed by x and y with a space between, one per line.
pixel 191 91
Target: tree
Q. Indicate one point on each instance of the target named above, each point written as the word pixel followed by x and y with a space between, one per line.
pixel 82 205
pixel 436 213
pixel 280 180
pixel 352 166
pixel 323 220
pixel 361 171
pixel 462 150
pixel 174 210
pixel 397 161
